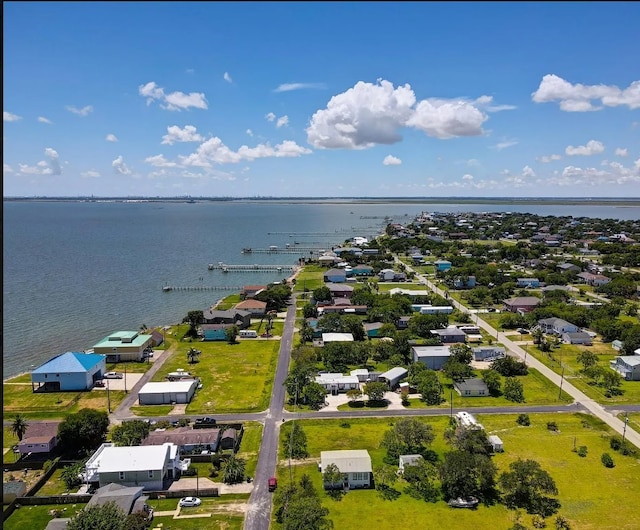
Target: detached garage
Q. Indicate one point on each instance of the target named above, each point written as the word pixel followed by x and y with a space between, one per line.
pixel 165 393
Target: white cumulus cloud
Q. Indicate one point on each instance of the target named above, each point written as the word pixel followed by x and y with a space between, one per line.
pixel 282 121
pixel 111 138
pixel 550 158
pixel 249 132
pixel 42 119
pixel 6 168
pixel 391 160
pixel 159 161
pixel 51 166
pixel 288 87
pixel 120 167
pixel 176 101
pixel 227 77
pixel 581 98
pixel 621 151
pixel 84 111
pixel 90 174
pixel 593 147
pixel 270 116
pixel 504 144
pixel 467 177
pixel 368 114
pixel 527 172
pixel 7 116
pixel 176 134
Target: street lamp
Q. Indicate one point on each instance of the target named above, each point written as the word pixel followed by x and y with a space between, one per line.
pixel 108 398
pixel 197 488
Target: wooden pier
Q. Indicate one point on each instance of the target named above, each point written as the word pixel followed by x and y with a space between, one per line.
pixel 167 288
pixel 286 250
pixel 251 268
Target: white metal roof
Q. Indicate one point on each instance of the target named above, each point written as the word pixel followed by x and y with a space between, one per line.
pixel 349 461
pixel 161 387
pixel 335 379
pixel 432 351
pixel 133 458
pixel 337 337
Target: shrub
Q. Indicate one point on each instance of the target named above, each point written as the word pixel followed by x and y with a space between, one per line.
pixel 562 523
pixel 552 426
pixel 606 460
pixel 523 419
pixel 213 472
pixel 582 451
pixel 345 424
pixel 615 443
pixel 405 400
pixel 47 465
pixel 538 521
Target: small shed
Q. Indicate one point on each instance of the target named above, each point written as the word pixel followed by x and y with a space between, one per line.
pixel 408 460
pixel 404 388
pixel 13 489
pixel 229 439
pixel 160 393
pixel 496 443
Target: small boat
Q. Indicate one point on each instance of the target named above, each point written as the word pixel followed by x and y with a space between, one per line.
pixel 167 288
pixel 246 250
pixel 469 502
pixel 225 269
pixel 210 266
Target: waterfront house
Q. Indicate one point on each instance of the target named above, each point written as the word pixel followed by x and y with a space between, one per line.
pixel 255 307
pixel 40 437
pixel 433 357
pixel 146 466
pixel 249 291
pixel 124 346
pixel 236 317
pixel 355 466
pixel 335 276
pixel 167 392
pixel 628 366
pixel 68 371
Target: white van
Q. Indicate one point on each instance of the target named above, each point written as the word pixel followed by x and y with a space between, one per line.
pixel 248 334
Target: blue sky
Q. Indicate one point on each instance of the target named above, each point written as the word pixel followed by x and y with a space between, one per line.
pixel 321 99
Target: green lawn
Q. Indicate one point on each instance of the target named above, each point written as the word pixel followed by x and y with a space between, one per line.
pixel 588 492
pixel 18 397
pixel 54 485
pixel 250 446
pixel 235 377
pixel 151 410
pixel 37 517
pixel 310 277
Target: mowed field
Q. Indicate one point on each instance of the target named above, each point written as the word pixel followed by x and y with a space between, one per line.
pixel 589 492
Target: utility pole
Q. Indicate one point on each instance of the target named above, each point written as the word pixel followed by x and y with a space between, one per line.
pixel 624 430
pixel 108 398
pixel 451 403
pixel 561 379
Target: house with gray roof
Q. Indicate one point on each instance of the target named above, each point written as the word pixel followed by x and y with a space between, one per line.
pixel 433 357
pixel 474 387
pixel 40 437
pixel 392 377
pixel 68 372
pixel 557 326
pixel 128 498
pixel 354 464
pixel 628 366
pixel 237 317
pixel 578 337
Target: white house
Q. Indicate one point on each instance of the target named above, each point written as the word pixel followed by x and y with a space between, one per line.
pixel 338 383
pixel 167 392
pixel 408 460
pixel 146 466
pixel 355 466
pixel 557 326
pixel 386 275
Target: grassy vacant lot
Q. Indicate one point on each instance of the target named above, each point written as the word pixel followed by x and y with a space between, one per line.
pixel 566 356
pixel 18 397
pixel 588 491
pixel 235 377
pixel 37 517
pixel 310 277
pixel 228 302
pixel 386 287
pixel 250 446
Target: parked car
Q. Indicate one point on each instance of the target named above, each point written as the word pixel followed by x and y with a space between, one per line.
pixel 99 382
pixel 202 423
pixel 112 375
pixel 189 501
pixel 273 484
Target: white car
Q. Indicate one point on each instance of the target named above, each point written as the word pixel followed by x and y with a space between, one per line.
pixel 189 501
pixel 112 375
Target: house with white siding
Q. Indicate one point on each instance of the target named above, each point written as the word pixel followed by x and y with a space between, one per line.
pixel 355 466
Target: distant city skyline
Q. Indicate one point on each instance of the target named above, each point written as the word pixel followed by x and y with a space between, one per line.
pixel 336 99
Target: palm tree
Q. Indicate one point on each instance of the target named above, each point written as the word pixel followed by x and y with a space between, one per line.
pixel 234 470
pixel 19 426
pixel 192 355
pixel 537 334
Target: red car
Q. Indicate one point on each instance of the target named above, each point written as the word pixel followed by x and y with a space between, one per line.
pixel 273 484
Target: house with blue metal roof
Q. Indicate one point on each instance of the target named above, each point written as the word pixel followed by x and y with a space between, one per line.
pixel 69 371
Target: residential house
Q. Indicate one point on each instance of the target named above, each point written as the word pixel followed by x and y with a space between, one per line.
pixel 617 345
pixel 521 304
pixel 488 353
pixel 255 307
pixel 467 282
pixel 335 276
pixel 472 332
pixel 557 326
pixel 146 466
pixel 596 280
pixel 433 357
pixel 578 337
pixel 128 498
pixel 474 387
pixel 167 392
pixel 348 309
pixel 234 317
pixel 386 275
pixel 124 346
pixel 364 375
pixel 327 260
pixel 157 338
pixel 355 466
pixel 392 377
pixel 68 371
pixel 450 335
pixel 40 437
pixel 568 267
pixel 362 270
pixel 428 309
pixel 529 283
pixel 442 265
pixel 628 366
pixel 335 337
pixel 187 439
pixel 371 328
pixel 336 384
pixel 410 292
pixel 249 291
pixel 403 322
pixel 408 460
pixel 340 291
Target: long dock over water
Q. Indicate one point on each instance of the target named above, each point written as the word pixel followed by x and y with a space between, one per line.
pixel 167 288
pixel 251 268
pixel 287 250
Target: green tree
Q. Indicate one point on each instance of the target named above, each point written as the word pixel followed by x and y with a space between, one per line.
pixel 384 478
pixel 429 388
pixel 537 334
pixel 354 394
pixel 314 395
pixel 231 333
pixel 606 460
pixel 309 311
pixel 298 507
pixel 233 470
pixel 137 521
pixel 611 381
pixel 322 294
pixel 493 381
pixel 83 431
pixel 457 371
pixel 71 475
pixel 513 390
pixel 298 379
pixel 472 441
pixel 295 442
pixel 464 474
pixel 422 478
pixel 530 487
pixel 306 332
pixel 130 432
pixel 192 355
pixel 332 478
pixel 561 523
pixel 99 517
pixel 375 391
pixel 19 426
pixel 588 359
pixel 507 366
pixel 408 436
pixel 193 318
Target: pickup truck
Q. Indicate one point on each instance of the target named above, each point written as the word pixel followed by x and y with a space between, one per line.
pixel 203 423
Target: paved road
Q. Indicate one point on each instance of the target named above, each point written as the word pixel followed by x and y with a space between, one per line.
pixel 259 507
pixel 589 404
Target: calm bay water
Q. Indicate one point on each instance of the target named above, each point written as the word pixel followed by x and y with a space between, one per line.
pixel 74 272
